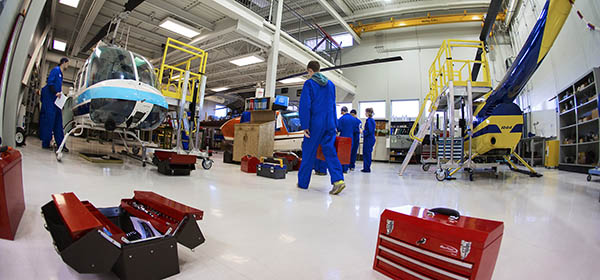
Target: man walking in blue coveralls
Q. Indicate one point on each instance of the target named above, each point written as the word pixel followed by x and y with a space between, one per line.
pixel 345 127
pixel 318 120
pixel 51 121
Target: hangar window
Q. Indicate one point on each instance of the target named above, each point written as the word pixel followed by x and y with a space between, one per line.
pixel 379 108
pixel 221 111
pixel 109 63
pixel 405 109
pixel 145 71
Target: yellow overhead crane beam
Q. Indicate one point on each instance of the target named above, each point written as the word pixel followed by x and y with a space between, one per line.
pixel 428 20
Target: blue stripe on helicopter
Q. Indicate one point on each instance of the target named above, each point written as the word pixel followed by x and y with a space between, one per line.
pixel 122 93
pixel 522 69
pixel 517 128
pixel 492 128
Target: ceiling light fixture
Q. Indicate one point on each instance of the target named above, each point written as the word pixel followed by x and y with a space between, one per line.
pixel 292 80
pixel 220 89
pixel 247 60
pixel 72 3
pixel 59 45
pixel 179 28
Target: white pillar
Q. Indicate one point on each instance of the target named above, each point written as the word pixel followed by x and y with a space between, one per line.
pixel 273 54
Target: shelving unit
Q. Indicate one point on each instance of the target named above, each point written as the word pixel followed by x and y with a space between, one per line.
pixel 400 141
pixel 579 125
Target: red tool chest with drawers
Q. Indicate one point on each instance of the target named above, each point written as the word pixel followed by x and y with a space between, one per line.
pixel 418 243
pixel 343 146
pixel 12 202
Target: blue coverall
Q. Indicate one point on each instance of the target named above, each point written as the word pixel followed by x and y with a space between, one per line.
pixel 345 127
pixel 320 166
pixel 318 115
pixel 355 142
pixel 51 116
pixel 368 143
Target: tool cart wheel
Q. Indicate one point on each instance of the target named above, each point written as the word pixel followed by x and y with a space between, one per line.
pixel 207 163
pixel 59 156
pixel 441 174
pixel 589 177
pixel 135 150
pixel 20 137
pixel 425 167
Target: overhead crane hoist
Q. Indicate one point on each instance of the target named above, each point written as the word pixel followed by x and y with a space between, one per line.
pixel 494 123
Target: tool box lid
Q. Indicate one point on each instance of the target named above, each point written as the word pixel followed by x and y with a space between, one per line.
pixel 75 215
pixel 481 232
pixel 9 159
pixel 167 206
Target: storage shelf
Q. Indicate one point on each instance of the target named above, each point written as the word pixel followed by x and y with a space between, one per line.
pixel 585 88
pixel 585 122
pixel 568 126
pixel 587 143
pixel 565 99
pixel 587 103
pixel 566 145
pixel 568 111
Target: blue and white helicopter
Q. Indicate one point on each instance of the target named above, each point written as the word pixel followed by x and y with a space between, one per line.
pixel 116 90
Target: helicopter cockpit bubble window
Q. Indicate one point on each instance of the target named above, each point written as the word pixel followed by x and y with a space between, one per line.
pixel 109 63
pixel 145 72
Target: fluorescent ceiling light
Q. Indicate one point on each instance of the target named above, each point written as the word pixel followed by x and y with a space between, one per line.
pixel 260 3
pixel 59 45
pixel 72 3
pixel 179 28
pixel 219 89
pixel 292 80
pixel 247 60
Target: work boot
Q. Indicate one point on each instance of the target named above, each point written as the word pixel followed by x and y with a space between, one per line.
pixel 338 187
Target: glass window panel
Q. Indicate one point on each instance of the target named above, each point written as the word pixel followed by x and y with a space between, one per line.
pixel 379 108
pixel 405 109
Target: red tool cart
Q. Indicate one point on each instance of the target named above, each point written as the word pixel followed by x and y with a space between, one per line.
pixel 419 243
pixel 136 240
pixel 171 163
pixel 343 146
pixel 12 202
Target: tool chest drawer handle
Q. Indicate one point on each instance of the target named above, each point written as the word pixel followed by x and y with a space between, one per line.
pixel 453 215
pixel 421 241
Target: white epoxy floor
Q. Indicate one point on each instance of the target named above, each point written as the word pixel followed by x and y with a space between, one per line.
pixel 257 228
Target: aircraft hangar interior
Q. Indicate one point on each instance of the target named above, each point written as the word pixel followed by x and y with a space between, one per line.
pixel 300 139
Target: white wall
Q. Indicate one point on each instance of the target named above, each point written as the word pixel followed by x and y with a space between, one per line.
pixel 574 53
pixel 418 46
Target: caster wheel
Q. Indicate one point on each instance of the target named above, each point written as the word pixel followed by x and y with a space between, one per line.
pixel 135 150
pixel 143 164
pixel 207 164
pixel 589 178
pixel 441 174
pixel 425 167
pixel 59 156
pixel 470 176
pixel 20 137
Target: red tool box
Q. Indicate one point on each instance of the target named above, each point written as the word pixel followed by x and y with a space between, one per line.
pixel 172 163
pixel 249 163
pixel 12 202
pixel 137 240
pixel 419 243
pixel 343 146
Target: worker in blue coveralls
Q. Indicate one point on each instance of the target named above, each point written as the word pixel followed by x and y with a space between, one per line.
pixel 318 120
pixel 355 139
pixel 345 127
pixel 320 167
pixel 51 121
pixel 368 140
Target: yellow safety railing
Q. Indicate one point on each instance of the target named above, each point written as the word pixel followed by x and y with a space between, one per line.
pixel 171 77
pixel 447 67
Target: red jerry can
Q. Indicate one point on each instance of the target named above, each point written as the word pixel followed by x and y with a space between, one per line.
pixel 249 164
pixel 343 146
pixel 12 201
pixel 439 243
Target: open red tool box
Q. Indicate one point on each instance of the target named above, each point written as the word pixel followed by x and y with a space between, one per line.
pixel 136 240
pixel 172 163
pixel 343 146
pixel 419 243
